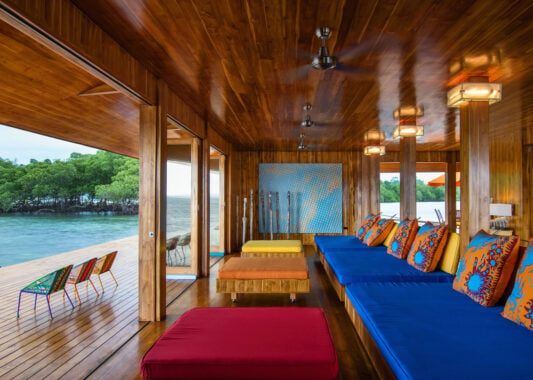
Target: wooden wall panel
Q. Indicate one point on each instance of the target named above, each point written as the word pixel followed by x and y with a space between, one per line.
pixel 196 203
pixel 70 33
pixel 246 163
pixel 506 156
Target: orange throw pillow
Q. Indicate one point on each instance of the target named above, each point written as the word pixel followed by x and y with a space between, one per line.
pixel 368 222
pixel 486 267
pixel 378 232
pixel 519 305
pixel 403 238
pixel 428 246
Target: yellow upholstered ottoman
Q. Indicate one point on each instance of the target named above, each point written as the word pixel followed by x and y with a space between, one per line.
pixel 272 248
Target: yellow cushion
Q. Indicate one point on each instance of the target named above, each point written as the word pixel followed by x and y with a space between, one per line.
pixel 450 257
pixel 273 246
pixel 389 237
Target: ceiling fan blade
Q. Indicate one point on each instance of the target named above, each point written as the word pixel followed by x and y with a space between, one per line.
pixel 355 50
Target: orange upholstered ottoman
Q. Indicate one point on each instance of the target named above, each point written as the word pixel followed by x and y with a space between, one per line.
pixel 264 275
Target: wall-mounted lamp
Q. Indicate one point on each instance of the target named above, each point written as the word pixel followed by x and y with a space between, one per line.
pixel 408 111
pixel 374 150
pixel 408 131
pixel 472 92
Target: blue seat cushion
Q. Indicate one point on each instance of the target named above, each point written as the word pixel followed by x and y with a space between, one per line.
pixel 374 264
pixel 339 241
pixel 430 331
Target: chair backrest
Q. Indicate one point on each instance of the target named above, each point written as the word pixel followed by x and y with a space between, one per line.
pixel 104 263
pixel 60 279
pixel 83 271
pixel 171 244
pixel 184 239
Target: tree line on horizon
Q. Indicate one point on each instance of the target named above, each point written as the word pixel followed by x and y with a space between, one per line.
pixel 390 192
pixel 102 181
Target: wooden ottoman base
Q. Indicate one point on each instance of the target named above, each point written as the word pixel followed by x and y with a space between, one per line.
pixel 267 285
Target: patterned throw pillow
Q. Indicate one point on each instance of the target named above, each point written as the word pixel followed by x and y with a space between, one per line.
pixel 428 246
pixel 519 305
pixel 378 232
pixel 368 222
pixel 486 267
pixel 403 238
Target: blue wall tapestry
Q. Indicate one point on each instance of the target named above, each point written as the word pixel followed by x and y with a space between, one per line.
pixel 315 194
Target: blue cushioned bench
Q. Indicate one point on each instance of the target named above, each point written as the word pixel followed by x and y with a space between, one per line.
pixel 430 331
pixel 324 243
pixel 373 264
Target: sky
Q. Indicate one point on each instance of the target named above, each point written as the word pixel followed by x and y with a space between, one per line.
pixel 21 146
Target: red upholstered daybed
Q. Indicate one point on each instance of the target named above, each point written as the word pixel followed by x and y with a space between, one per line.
pixel 244 343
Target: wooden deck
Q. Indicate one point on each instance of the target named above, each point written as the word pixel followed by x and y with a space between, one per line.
pixel 77 340
pixel 102 339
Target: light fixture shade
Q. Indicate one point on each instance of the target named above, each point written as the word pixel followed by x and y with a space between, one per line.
pixel 408 111
pixel 408 131
pixel 480 92
pixel 374 135
pixel 501 209
pixel 371 150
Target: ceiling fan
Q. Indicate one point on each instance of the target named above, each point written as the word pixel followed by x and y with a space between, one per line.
pixel 307 122
pixel 325 61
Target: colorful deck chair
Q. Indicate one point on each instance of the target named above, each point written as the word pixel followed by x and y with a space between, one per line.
pixel 47 285
pixel 103 265
pixel 82 273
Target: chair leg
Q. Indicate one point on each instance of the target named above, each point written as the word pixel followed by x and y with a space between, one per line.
pixel 114 279
pixel 77 294
pixel 69 300
pixel 97 294
pixel 18 307
pixel 49 308
pixel 102 286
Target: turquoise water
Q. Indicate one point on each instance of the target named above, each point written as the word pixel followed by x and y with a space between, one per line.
pixel 29 237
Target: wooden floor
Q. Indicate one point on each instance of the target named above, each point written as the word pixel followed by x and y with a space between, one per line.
pixel 77 340
pixel 102 338
pixel 353 361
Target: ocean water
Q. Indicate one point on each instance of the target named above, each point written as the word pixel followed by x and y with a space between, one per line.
pixel 29 237
pixel 424 210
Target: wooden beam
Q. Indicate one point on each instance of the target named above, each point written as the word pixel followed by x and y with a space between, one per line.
pixel 67 31
pixel 206 220
pixel 367 188
pixel 152 211
pixel 101 89
pixel 196 203
pixel 408 177
pixel 475 170
pixel 222 202
pixel 451 192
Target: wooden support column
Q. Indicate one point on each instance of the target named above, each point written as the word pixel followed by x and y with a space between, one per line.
pixel 196 203
pixel 475 168
pixel 367 188
pixel 152 210
pixel 451 193
pixel 408 177
pixel 206 241
pixel 222 203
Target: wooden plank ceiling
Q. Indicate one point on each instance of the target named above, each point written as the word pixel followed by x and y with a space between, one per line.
pixel 40 93
pixel 241 62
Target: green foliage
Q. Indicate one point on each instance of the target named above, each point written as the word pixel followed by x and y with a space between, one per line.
pixel 105 175
pixel 390 192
